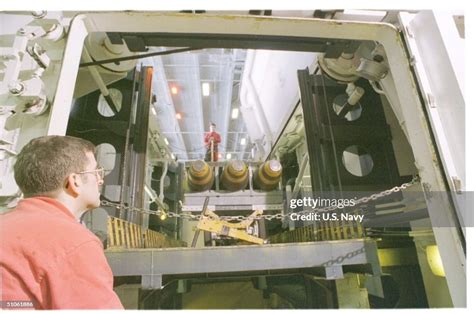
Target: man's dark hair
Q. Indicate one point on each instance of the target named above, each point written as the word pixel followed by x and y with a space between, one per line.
pixel 44 163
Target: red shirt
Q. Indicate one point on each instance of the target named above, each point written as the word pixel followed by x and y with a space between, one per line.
pixel 50 259
pixel 215 136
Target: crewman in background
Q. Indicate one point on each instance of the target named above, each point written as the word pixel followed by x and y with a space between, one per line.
pixel 212 140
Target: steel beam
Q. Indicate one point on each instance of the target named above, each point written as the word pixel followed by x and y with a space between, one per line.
pixel 234 200
pixel 152 264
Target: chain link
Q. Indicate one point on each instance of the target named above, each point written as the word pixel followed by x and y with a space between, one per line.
pixel 189 216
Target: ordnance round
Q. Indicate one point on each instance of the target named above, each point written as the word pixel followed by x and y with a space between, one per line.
pixel 235 175
pixel 268 175
pixel 200 176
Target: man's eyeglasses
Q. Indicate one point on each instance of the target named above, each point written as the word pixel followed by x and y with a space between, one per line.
pixel 100 172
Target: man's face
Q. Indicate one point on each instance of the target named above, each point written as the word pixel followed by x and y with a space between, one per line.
pixel 212 128
pixel 90 189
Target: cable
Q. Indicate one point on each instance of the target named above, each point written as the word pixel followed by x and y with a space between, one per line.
pixel 135 57
pixel 85 131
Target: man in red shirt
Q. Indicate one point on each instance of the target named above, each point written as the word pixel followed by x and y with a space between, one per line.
pixel 212 140
pixel 48 259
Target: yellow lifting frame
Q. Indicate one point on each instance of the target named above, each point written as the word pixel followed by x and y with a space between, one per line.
pixel 212 223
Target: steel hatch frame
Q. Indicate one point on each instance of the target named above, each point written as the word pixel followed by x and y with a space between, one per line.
pixel 416 124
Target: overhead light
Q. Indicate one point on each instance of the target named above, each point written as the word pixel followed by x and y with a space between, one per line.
pixel 243 141
pixel 219 156
pixel 153 110
pixel 174 90
pixel 166 141
pixel 235 113
pixel 205 89
pixel 228 156
pixel 179 116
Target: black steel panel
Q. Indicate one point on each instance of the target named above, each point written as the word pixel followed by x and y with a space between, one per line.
pixel 328 135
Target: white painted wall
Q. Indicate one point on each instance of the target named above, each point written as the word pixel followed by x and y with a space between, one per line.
pixel 270 91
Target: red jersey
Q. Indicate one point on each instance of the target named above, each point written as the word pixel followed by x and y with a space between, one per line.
pixel 49 259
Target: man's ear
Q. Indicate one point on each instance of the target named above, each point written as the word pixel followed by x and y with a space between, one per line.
pixel 73 182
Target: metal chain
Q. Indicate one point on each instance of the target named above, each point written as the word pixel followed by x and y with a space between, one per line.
pixel 279 216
